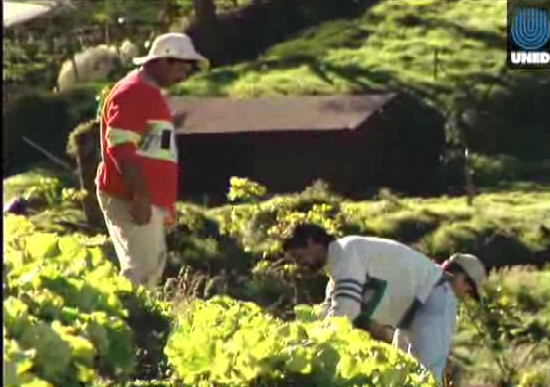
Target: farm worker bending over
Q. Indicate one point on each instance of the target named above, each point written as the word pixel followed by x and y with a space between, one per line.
pixel 381 284
pixel 137 177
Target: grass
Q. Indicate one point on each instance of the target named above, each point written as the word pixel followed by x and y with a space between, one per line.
pixel 502 171
pixel 451 54
pixel 392 44
pixel 502 227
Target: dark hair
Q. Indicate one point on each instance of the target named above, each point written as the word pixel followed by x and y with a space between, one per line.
pixel 303 232
pixel 455 268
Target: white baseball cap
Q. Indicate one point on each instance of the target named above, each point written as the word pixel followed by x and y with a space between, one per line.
pixel 473 268
pixel 173 45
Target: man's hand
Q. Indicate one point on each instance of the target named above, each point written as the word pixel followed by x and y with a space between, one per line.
pixel 140 206
pixel 380 332
pixel 140 209
pixel 178 119
pixel 170 218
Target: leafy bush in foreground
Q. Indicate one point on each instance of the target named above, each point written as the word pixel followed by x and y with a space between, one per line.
pixel 66 313
pixel 235 343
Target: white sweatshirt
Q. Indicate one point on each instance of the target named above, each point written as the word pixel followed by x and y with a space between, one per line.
pixel 353 260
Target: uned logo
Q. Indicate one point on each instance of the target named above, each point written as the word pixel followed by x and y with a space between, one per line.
pixel 529 38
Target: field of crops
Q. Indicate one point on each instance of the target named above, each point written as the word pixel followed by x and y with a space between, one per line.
pixel 230 313
pixel 67 321
pixel 65 310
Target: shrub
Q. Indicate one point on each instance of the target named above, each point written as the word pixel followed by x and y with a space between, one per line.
pixel 242 189
pixel 66 306
pixel 83 130
pixel 43 192
pixel 198 241
pixel 21 184
pixel 506 339
pixel 406 226
pixel 498 170
pixel 46 119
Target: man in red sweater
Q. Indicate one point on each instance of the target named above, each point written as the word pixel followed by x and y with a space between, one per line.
pixel 137 176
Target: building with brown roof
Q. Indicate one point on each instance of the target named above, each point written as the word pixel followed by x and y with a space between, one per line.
pixel 355 143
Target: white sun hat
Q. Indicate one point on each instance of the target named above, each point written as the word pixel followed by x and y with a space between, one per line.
pixel 473 268
pixel 173 45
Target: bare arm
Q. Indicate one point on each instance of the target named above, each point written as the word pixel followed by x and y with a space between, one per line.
pixel 133 178
pixel 324 307
pixel 178 119
pixel 125 126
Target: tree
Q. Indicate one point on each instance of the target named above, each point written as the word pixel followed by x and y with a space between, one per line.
pixel 205 11
pixel 204 28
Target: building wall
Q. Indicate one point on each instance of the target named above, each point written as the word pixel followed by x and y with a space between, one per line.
pixel 282 161
pixel 290 162
pixel 413 143
pixel 398 148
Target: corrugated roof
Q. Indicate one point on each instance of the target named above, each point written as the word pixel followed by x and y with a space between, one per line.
pixel 267 114
pixel 17 11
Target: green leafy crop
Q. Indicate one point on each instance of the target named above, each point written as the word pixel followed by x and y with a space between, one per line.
pixel 234 343
pixel 62 314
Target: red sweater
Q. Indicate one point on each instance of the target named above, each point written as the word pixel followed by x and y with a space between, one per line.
pixel 136 125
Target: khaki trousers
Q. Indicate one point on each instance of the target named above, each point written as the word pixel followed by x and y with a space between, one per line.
pixel 141 250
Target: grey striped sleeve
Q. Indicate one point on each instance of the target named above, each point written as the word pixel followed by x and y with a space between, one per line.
pixel 347 298
pixel 349 288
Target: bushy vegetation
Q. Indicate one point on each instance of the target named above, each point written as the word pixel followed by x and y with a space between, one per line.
pixel 67 315
pixel 46 119
pixel 65 287
pixel 506 340
pixel 496 223
pixel 69 319
pixel 241 345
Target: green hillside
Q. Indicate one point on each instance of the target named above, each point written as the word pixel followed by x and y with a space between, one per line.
pixel 436 49
pixel 393 43
pixel 451 53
